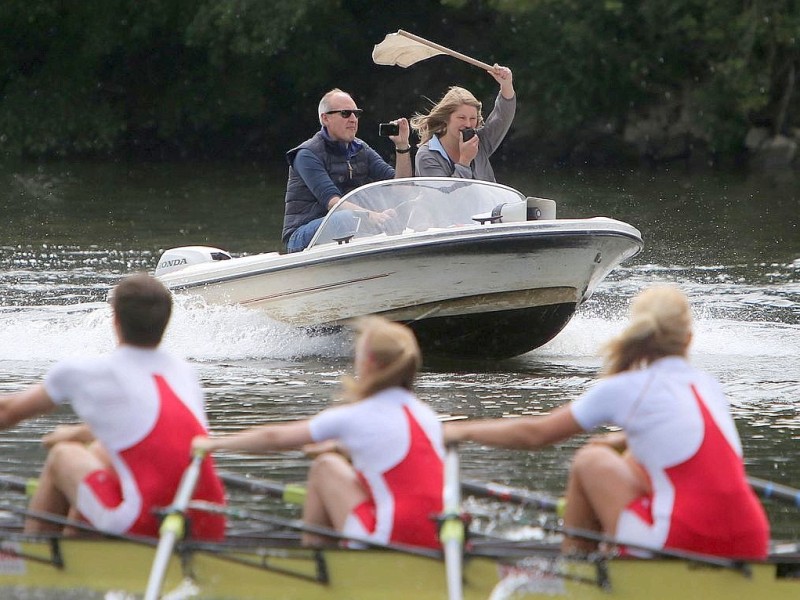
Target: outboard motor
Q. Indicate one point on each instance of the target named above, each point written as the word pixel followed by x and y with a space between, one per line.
pixel 176 259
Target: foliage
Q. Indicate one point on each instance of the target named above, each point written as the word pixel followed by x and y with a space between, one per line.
pixel 167 78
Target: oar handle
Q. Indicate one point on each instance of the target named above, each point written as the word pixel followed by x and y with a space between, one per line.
pixel 445 50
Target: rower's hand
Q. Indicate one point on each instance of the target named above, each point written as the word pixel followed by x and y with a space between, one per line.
pixel 68 433
pixel 454 433
pixel 202 443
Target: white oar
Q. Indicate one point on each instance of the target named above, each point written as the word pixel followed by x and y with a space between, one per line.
pixel 405 49
pixel 452 532
pixel 172 527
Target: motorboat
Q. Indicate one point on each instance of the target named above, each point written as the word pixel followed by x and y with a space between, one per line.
pixel 477 269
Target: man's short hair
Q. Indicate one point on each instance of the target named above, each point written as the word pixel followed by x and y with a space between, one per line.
pixel 142 306
pixel 325 102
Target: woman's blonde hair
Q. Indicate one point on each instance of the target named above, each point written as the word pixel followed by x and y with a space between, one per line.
pixel 660 325
pixel 394 351
pixel 435 122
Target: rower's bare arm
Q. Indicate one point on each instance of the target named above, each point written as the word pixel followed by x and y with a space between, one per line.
pixel 524 433
pixel 265 438
pixel 30 402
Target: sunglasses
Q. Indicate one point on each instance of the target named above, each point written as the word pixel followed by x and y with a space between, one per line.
pixel 346 112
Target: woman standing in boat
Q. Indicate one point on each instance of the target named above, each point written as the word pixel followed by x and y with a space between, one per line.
pixel 392 483
pixel 448 147
pixel 675 479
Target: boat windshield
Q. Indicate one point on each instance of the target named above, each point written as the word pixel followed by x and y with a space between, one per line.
pixel 416 204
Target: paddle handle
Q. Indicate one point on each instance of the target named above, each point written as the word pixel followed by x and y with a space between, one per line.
pixel 445 50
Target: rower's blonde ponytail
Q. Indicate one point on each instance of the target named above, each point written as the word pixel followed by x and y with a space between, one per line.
pixel 394 353
pixel 660 325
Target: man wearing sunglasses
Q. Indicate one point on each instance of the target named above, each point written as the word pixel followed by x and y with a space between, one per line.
pixel 332 163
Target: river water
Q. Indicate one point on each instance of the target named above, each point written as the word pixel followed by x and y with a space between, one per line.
pixel 730 240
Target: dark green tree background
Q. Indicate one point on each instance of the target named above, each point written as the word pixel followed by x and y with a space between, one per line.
pixel 597 80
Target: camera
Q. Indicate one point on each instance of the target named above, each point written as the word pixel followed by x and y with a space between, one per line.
pixel 467 134
pixel 387 129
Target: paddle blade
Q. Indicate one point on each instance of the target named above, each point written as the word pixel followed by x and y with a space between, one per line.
pixel 397 49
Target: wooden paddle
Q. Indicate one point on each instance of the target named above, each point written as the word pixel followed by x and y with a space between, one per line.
pixel 172 527
pixel 405 49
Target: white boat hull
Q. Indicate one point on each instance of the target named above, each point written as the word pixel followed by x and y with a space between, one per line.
pixel 477 269
pixel 521 281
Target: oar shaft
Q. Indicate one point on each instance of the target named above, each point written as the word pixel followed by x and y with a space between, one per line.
pixel 452 531
pixel 172 527
pixel 596 536
pixel 445 50
pixel 160 564
pixel 295 493
pixel 299 525
pixel 16 483
pixel 769 489
pixel 288 492
pixel 505 493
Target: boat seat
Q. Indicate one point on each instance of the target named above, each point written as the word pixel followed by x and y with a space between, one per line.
pixel 507 212
pixel 540 208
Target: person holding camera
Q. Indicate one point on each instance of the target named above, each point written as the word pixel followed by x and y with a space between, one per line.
pixel 454 139
pixel 332 163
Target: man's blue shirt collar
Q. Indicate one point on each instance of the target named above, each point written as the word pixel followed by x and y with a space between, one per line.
pixel 349 150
